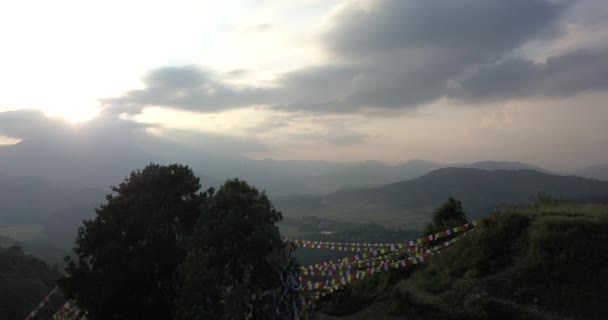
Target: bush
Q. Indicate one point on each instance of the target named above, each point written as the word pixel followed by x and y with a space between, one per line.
pixel 488 249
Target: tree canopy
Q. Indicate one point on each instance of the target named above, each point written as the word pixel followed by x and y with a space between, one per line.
pixel 127 256
pixel 237 252
pixel 448 215
pixel 160 249
pixel 24 281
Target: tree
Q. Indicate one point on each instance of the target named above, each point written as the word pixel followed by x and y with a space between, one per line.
pixel 449 214
pixel 542 199
pixel 237 252
pixel 127 257
pixel 24 281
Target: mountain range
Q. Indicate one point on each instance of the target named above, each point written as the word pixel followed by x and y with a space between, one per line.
pixel 79 162
pixel 57 183
pixel 411 202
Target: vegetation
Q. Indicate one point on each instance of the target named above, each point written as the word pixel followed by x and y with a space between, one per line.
pixel 160 249
pixel 541 262
pixel 448 215
pixel 24 281
pixel 237 251
pixel 127 257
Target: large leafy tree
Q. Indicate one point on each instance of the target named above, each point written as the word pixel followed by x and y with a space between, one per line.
pixel 448 215
pixel 126 259
pixel 237 253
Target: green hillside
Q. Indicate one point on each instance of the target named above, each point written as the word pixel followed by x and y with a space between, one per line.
pixel 549 262
pixel 410 202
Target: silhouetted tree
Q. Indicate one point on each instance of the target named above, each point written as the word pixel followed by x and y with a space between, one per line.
pixel 237 252
pixel 24 281
pixel 449 214
pixel 542 199
pixel 127 257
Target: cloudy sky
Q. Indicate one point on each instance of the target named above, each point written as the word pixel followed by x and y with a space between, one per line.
pixel 338 80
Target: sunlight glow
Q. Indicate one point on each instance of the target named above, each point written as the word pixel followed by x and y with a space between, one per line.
pixel 4 140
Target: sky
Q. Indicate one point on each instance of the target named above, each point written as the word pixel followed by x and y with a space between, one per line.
pixel 336 80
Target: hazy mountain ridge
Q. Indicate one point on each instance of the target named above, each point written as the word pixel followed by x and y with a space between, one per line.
pixel 597 172
pixel 504 165
pixel 31 200
pixel 87 162
pixel 66 179
pixel 479 190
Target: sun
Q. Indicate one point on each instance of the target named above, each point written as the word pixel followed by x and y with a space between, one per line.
pixel 73 114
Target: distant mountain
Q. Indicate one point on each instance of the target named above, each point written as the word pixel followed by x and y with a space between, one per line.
pixel 27 200
pixel 94 162
pixel 82 162
pixel 412 200
pixel 504 165
pixel 366 174
pixel 597 172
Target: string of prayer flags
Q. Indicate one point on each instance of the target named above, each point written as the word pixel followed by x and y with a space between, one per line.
pixel 371 247
pixel 42 303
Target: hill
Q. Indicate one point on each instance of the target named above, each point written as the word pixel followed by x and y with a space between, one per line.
pixel 368 174
pixel 598 172
pixel 410 202
pixel 30 200
pixel 504 165
pixel 87 161
pixel 534 263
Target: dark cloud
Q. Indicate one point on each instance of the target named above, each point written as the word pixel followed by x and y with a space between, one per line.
pixel 560 76
pixel 400 54
pixel 107 130
pixel 471 28
pixel 185 87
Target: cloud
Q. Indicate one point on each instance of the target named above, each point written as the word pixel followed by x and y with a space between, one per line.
pixel 331 137
pixel 396 54
pixel 186 87
pixel 266 126
pixel 212 142
pixel 103 130
pixel 560 76
pixel 30 124
pixel 469 29
pixel 108 130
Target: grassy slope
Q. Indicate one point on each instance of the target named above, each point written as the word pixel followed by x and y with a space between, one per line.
pixel 543 263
